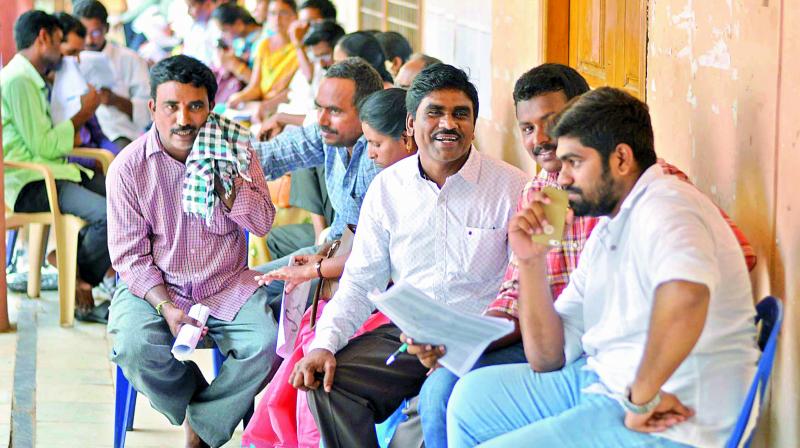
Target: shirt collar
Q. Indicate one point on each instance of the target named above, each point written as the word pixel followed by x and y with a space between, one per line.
pixel 617 224
pixel 470 171
pixel 28 69
pixel 153 142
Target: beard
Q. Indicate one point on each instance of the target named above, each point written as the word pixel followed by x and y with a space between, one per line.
pixel 606 200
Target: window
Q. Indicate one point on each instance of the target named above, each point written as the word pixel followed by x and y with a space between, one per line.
pixel 392 15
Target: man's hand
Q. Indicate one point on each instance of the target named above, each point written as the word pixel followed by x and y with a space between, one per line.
pixel 228 200
pixel 176 318
pixel 530 221
pixel 668 413
pixel 427 354
pixel 90 101
pixel 316 361
pixel 297 30
pixel 293 276
pixel 270 129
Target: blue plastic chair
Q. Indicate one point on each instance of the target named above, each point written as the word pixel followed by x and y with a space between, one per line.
pixel 125 402
pixel 770 316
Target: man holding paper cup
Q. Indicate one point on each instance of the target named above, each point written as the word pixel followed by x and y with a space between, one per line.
pixel 652 341
pixel 180 198
pixel 436 221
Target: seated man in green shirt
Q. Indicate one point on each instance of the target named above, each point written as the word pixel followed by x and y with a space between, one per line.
pixel 29 135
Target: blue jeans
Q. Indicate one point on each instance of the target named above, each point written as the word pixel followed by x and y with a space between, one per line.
pixel 436 390
pixel 512 405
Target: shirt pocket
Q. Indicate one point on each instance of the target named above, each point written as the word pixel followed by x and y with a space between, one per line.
pixel 484 252
pixel 221 224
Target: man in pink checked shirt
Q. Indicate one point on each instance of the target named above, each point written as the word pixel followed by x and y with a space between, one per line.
pixel 169 260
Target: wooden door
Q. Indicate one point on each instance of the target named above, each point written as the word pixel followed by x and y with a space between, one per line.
pixel 607 42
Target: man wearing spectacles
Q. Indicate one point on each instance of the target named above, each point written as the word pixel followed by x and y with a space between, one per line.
pixel 123 114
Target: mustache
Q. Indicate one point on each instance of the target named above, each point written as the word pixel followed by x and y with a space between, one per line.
pixel 183 129
pixel 447 132
pixel 328 130
pixel 538 149
pixel 572 189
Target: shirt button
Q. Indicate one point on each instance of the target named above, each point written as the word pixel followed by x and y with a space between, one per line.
pixel 575 245
pixel 613 247
pixel 192 251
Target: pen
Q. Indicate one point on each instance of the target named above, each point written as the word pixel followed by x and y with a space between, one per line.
pixel 393 356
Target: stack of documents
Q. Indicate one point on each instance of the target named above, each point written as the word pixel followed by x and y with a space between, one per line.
pixel 465 336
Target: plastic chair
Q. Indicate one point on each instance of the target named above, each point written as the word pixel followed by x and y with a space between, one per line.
pixel 66 231
pixel 125 402
pixel 770 316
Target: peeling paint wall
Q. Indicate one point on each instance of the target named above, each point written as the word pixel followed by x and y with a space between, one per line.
pixel 722 91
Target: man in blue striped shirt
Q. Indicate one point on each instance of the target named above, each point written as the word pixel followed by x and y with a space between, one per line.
pixel 337 144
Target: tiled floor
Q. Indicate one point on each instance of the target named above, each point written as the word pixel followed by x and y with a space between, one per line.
pixel 74 387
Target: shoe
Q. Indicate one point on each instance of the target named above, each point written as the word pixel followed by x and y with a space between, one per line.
pixel 98 314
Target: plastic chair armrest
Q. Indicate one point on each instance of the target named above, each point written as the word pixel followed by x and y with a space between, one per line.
pixel 104 156
pixel 49 181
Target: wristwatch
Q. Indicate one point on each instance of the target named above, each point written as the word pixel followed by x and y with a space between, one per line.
pixel 639 409
pixel 318 267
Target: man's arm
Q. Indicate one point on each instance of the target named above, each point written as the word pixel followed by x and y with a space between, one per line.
pixel 139 92
pixel 252 207
pixel 43 138
pixel 678 317
pixel 299 148
pixel 129 242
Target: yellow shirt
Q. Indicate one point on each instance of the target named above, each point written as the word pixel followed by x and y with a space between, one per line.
pixel 277 68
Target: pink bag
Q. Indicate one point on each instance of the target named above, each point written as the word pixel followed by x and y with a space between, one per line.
pixel 282 418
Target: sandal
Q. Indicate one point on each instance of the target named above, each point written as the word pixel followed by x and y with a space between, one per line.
pixel 98 314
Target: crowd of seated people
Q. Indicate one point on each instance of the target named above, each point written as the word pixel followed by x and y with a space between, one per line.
pixel 635 330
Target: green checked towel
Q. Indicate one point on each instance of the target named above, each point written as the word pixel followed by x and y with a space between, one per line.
pixel 222 149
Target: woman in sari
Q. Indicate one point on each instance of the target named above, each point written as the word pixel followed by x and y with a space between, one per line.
pixel 282 418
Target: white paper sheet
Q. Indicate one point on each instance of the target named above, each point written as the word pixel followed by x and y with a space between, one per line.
pixel 293 306
pixel 96 69
pixel 465 336
pixel 189 335
pixel 68 87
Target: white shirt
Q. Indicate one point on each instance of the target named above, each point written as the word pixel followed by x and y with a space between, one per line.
pixel 200 42
pixel 450 243
pixel 302 93
pixel 132 81
pixel 666 230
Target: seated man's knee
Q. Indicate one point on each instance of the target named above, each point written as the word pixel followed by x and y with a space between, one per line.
pixel 435 392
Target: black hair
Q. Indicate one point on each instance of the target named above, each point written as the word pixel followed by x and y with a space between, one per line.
pixel 28 25
pixel 229 13
pixel 427 61
pixel 385 111
pixel 547 78
pixel 394 45
pixel 440 77
pixel 325 7
pixel 185 70
pixel 365 77
pixel 69 24
pixel 325 31
pixel 604 118
pixel 290 3
pixel 366 46
pixel 90 9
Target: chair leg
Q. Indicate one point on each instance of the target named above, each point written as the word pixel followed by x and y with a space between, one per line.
pixel 36 247
pixel 11 242
pixel 218 358
pixel 124 408
pixel 67 255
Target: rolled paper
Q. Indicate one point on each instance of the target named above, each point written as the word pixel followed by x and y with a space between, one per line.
pixel 189 335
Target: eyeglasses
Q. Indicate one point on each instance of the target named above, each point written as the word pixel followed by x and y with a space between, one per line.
pixel 281 13
pixel 327 57
pixel 96 33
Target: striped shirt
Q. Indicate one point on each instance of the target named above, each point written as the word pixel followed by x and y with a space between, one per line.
pixel 347 176
pixel 153 242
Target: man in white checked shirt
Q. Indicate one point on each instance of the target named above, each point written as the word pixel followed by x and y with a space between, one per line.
pixel 438 221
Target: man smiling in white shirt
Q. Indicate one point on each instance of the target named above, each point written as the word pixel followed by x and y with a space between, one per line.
pixel 660 304
pixel 437 221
